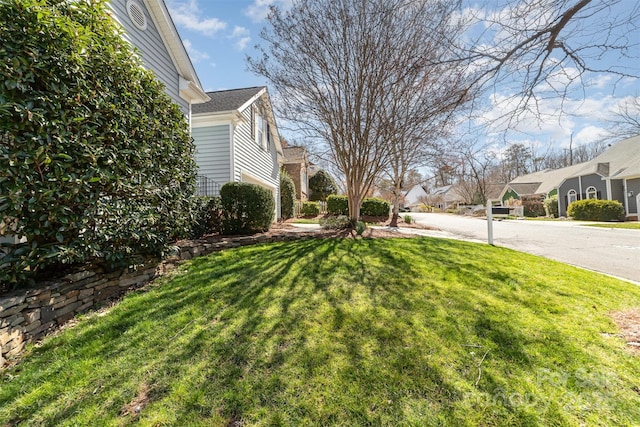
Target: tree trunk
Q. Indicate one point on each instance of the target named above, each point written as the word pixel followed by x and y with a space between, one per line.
pixel 354 207
pixel 396 208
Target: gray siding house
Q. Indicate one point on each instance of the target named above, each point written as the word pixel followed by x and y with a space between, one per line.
pixel 237 140
pixel 613 175
pixel 149 28
pixel 542 183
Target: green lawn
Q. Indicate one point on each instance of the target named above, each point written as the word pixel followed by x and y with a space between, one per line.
pixel 398 332
pixel 306 221
pixel 626 225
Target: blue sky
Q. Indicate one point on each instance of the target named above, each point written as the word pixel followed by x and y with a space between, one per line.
pixel 219 34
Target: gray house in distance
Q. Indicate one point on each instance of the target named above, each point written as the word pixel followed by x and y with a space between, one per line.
pixel 237 140
pixel 542 183
pixel 613 175
pixel 149 28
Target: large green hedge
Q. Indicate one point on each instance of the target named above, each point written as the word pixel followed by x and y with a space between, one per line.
pixel 596 210
pixel 95 159
pixel 310 209
pixel 246 208
pixel 287 195
pixel 337 205
pixel 373 206
pixel 206 216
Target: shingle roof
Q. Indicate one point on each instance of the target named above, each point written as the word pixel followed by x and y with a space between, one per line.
pixel 525 188
pixel 623 159
pixel 226 100
pixel 294 153
pixel 545 180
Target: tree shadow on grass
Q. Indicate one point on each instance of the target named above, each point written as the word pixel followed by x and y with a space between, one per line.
pixel 263 332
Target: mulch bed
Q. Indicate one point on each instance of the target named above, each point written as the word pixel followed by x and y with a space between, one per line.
pixel 629 323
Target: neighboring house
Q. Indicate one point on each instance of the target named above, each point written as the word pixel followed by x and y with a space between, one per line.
pixel 415 196
pixel 296 164
pixel 237 140
pixel 445 197
pixel 149 28
pixel 613 175
pixel 542 183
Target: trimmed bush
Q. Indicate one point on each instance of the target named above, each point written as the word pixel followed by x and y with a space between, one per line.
pixel 206 216
pixel 310 209
pixel 287 195
pixel 96 159
pixel 322 186
pixel 408 219
pixel 532 206
pixel 596 210
pixel 246 208
pixel 372 206
pixel 360 227
pixel 337 205
pixel 339 222
pixel 551 206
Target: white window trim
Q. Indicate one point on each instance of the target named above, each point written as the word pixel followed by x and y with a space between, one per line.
pixel 569 194
pixel 593 190
pixel 261 131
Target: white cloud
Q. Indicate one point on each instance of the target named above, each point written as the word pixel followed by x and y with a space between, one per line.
pixel 585 119
pixel 242 43
pixel 241 37
pixel 189 15
pixel 194 54
pixel 239 32
pixel 589 134
pixel 259 10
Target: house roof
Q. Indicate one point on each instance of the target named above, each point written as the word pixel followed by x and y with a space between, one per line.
pixel 493 191
pixel 525 188
pixel 190 86
pixel 229 100
pixel 622 160
pixel 294 153
pixel 542 182
pixel 449 192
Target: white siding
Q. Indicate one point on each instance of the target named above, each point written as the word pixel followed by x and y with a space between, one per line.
pixel 250 158
pixel 152 50
pixel 213 155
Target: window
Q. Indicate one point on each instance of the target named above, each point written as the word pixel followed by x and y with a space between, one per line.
pixel 262 132
pixel 572 196
pixel 269 142
pixel 592 193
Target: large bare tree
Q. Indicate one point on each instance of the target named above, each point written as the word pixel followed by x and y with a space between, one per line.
pixel 626 121
pixel 357 75
pixel 534 50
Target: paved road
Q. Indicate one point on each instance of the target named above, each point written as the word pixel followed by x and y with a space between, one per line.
pixel 611 251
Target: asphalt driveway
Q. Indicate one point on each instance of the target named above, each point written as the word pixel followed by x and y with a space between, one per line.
pixel 611 251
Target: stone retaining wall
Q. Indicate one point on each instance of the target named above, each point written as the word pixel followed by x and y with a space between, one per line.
pixel 28 315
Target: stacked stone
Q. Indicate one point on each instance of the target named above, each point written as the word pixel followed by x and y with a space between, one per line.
pixel 28 315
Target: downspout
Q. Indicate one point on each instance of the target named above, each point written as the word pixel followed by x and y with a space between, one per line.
pixel 580 187
pixel 609 195
pixel 626 198
pixel 232 166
